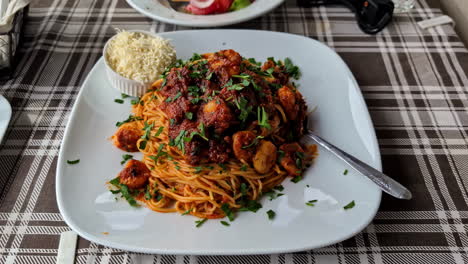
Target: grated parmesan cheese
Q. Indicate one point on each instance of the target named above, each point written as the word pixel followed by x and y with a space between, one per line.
pixel 139 56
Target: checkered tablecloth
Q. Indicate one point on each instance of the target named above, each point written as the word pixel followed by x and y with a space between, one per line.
pixel 414 82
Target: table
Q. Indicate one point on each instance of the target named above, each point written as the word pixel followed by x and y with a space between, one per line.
pixel 414 83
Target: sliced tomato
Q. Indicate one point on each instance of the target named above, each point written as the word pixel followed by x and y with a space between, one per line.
pixel 218 6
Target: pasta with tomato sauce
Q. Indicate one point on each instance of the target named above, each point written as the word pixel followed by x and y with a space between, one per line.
pixel 217 132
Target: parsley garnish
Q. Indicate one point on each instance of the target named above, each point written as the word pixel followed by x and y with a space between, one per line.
pixel 291 69
pixel 119 101
pixel 243 167
pixel 222 166
pixel 126 157
pixel 124 190
pixel 279 188
pixel 136 101
pixel 262 117
pixel 225 223
pixel 251 205
pixel 160 130
pixel 242 105
pixel 198 169
pixel 297 179
pixel 195 57
pixel 243 189
pixel 160 153
pixel 271 214
pixel 311 202
pixel 179 141
pixel 200 222
pixel 187 212
pixel 350 205
pixel 345 172
pixel 124 95
pixel 254 142
pixel 169 99
pixel 71 162
pixel 189 115
pixel 148 193
pixel 129 119
pixel 227 210
pixel 147 128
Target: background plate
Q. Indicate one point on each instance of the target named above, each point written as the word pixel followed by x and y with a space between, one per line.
pixel 155 10
pixel 5 115
pixel 341 117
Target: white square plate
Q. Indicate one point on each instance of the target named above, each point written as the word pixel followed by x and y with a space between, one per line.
pixel 341 117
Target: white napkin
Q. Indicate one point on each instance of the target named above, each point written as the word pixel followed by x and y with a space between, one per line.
pixel 8 9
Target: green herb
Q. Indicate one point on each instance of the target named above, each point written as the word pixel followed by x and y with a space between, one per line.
pixel 222 166
pixel 243 76
pixel 227 210
pixel 350 205
pixel 299 163
pixel 243 167
pixel 143 144
pixel 273 195
pixel 201 133
pixel 195 57
pixel 251 205
pixel 114 191
pixel 189 115
pixel 124 190
pixel 160 130
pixel 208 77
pixel 254 142
pixel 225 223
pixel 179 141
pixel 147 128
pixel 200 222
pixel 136 101
pixel 126 157
pixel 195 100
pixel 129 119
pixel 311 202
pixel 279 188
pixel 160 153
pixel 242 105
pixel 119 101
pixel 271 214
pixel 71 162
pixel 187 212
pixel 291 69
pixel 169 99
pixel 159 197
pixel 124 95
pixel 297 179
pixel 307 185
pixel 262 117
pixel 177 167
pixel 198 169
pixel 243 189
pixel 281 155
pixel 345 172
pixel 148 193
pixel 171 121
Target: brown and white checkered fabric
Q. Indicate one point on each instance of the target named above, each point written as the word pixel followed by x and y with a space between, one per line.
pixel 414 82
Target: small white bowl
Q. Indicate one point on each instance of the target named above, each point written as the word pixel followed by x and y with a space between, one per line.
pixel 121 83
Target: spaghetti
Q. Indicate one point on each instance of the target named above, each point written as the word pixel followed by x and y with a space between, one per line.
pixel 224 155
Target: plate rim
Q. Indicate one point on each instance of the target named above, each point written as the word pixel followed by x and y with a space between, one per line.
pixel 166 251
pixel 5 102
pixel 204 23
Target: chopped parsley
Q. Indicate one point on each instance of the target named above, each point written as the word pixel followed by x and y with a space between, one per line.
pixel 200 222
pixel 345 172
pixel 271 214
pixel 225 223
pixel 130 118
pixel 124 95
pixel 291 69
pixel 71 162
pixel 147 128
pixel 136 101
pixel 243 189
pixel 169 99
pixel 254 142
pixel 189 115
pixel 262 117
pixel 243 167
pixel 195 57
pixel 251 205
pixel 227 210
pixel 198 169
pixel 311 202
pixel 242 105
pixel 159 153
pixel 350 205
pixel 148 193
pixel 222 166
pixel 279 188
pixel 126 157
pixel 160 130
pixel 124 191
pixel 119 101
pixel 179 141
pixel 297 179
pixel 187 212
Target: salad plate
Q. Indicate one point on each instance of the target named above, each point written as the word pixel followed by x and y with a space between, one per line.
pixel 158 10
